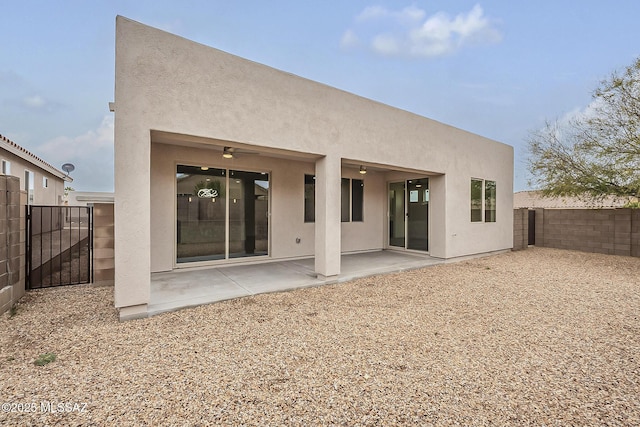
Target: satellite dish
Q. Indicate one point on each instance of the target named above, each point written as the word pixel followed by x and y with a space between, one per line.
pixel 68 168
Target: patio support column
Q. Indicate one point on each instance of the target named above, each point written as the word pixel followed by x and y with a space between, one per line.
pixel 132 223
pixel 440 237
pixel 132 155
pixel 328 226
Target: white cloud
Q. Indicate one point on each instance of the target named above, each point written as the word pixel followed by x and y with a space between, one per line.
pixel 349 39
pixel 407 15
pixel 386 44
pixel 411 32
pixel 372 12
pixel 35 101
pixel 90 152
pixel 92 139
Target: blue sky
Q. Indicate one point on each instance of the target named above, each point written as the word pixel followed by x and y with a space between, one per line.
pixel 498 68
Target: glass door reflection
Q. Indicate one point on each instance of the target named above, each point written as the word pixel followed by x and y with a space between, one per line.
pixel 248 213
pixel 201 213
pixel 409 214
pixel 418 214
pixel 221 214
pixel 396 214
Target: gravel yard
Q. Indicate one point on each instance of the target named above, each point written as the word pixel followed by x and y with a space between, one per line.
pixel 537 337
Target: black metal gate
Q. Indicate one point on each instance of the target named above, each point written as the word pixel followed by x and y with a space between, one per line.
pixel 59 246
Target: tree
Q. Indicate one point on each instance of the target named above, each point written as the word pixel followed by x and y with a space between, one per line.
pixel 597 152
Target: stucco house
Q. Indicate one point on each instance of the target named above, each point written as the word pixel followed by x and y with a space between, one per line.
pixel 221 160
pixel 43 183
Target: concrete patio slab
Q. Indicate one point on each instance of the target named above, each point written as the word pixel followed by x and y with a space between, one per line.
pixel 192 287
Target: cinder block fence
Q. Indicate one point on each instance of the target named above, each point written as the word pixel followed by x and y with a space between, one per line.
pixel 520 229
pixel 103 244
pixel 12 241
pixel 606 231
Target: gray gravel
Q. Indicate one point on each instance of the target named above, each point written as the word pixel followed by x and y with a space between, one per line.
pixel 538 337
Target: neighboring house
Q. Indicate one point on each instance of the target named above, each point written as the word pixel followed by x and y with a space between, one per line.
pixel 222 160
pixel 536 200
pixel 43 183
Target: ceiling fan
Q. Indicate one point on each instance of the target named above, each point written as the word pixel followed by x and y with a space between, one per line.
pixel 232 152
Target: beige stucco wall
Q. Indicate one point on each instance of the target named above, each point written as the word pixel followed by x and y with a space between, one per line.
pixel 51 195
pixel 170 84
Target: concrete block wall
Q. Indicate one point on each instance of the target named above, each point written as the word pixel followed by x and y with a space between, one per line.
pixel 607 231
pixel 635 232
pixel 520 229
pixel 103 244
pixel 12 241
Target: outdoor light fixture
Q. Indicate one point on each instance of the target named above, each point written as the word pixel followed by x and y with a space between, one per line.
pixel 363 169
pixel 226 153
pixel 204 168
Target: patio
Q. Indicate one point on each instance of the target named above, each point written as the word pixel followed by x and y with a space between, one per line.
pixel 197 286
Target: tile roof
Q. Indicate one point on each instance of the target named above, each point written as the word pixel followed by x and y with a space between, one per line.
pixel 29 156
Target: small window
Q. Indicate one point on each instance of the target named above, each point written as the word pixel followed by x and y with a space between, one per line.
pixel 357 199
pixel 29 185
pixel 309 198
pixel 483 197
pixel 45 182
pixel 6 167
pixel 489 201
pixel 351 198
pixel 476 200
pixel 345 197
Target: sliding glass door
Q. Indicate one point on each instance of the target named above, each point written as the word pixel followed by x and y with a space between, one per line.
pixel 409 214
pixel 418 214
pixel 248 213
pixel 221 214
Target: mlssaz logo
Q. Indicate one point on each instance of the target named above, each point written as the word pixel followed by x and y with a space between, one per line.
pixel 207 192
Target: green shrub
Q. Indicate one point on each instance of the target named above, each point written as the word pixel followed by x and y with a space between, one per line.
pixel 45 358
pixel 633 205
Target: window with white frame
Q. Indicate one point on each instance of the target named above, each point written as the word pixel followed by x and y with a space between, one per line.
pixel 483 198
pixel 6 167
pixel 45 182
